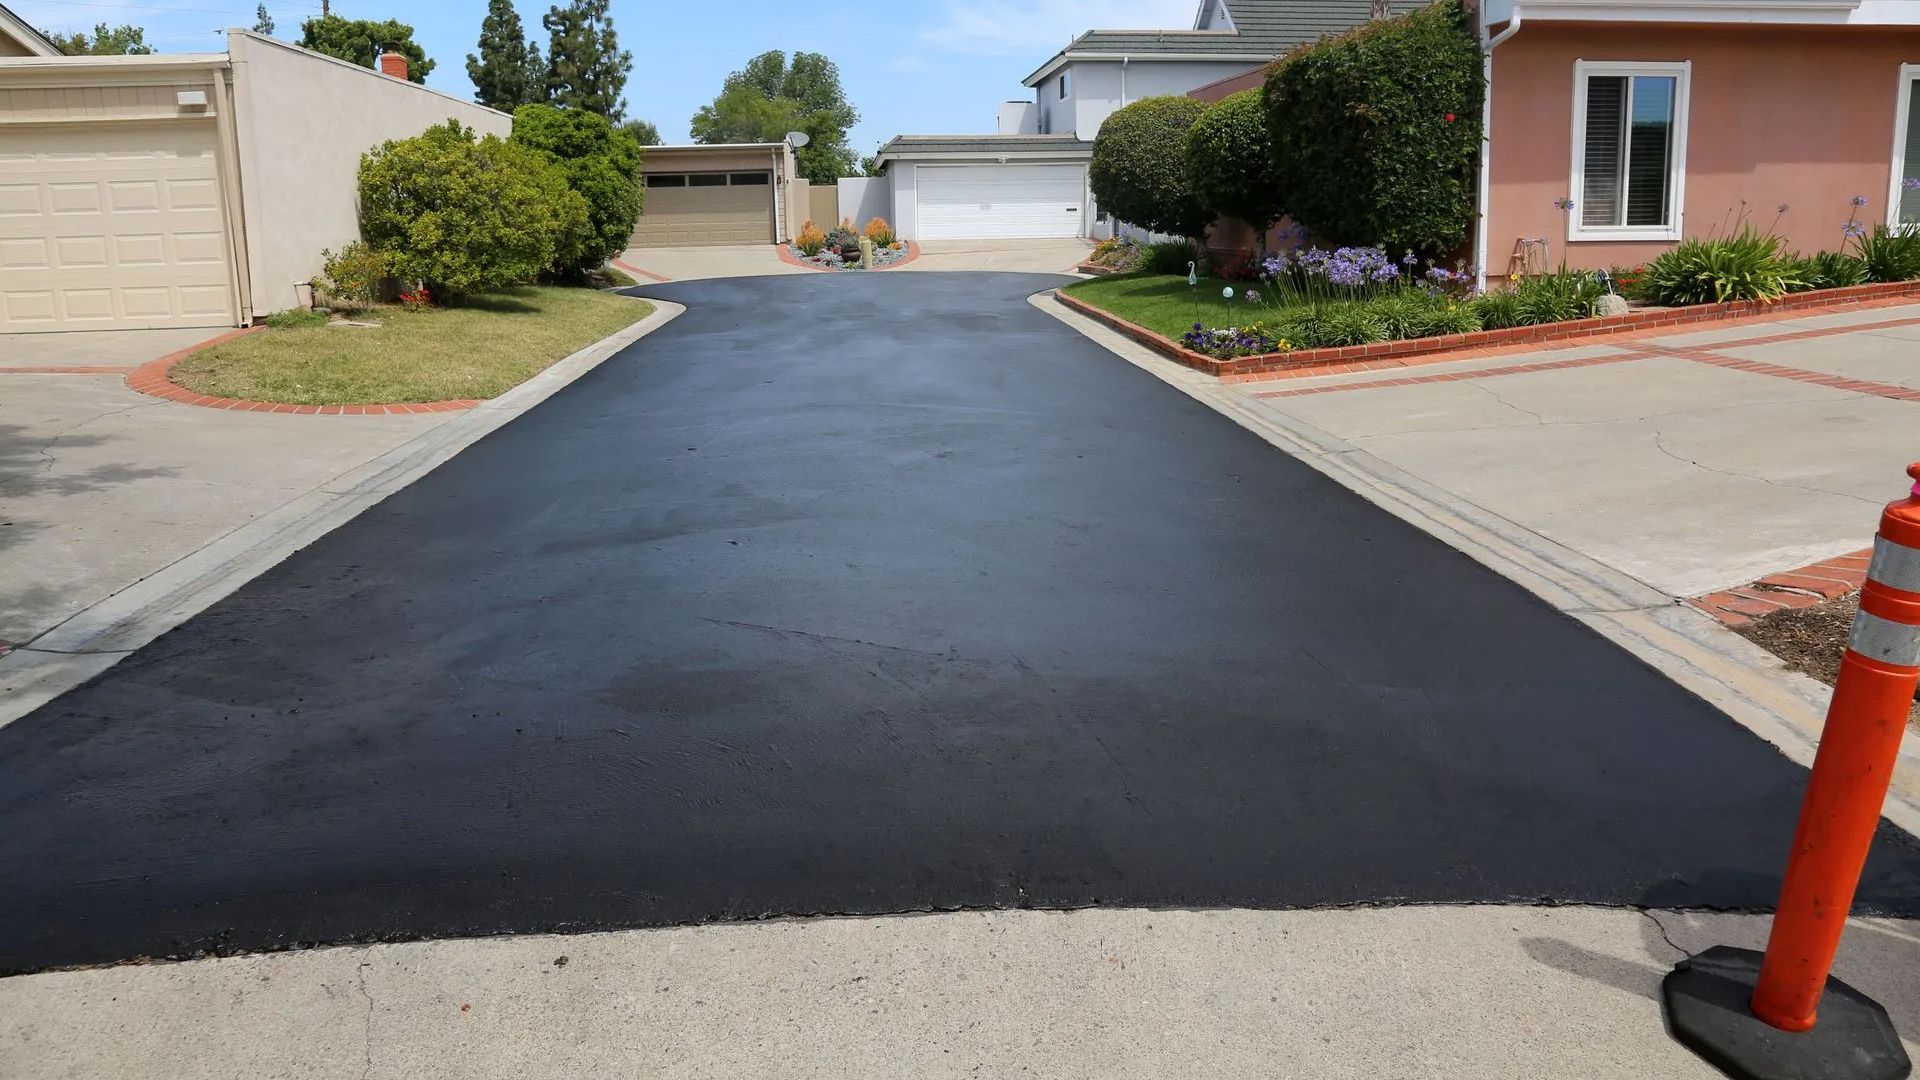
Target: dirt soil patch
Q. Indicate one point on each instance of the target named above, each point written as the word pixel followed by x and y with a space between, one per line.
pixel 1811 640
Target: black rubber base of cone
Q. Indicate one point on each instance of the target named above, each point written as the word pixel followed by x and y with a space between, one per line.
pixel 1707 1009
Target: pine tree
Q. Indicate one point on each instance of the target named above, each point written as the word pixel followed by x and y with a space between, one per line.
pixel 263 22
pixel 508 71
pixel 585 67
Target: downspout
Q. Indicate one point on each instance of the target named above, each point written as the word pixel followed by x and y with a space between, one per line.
pixel 1124 61
pixel 1487 45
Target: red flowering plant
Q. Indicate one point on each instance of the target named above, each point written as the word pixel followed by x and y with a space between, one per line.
pixel 416 298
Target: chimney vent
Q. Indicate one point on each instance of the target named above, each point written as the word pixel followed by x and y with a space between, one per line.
pixel 394 64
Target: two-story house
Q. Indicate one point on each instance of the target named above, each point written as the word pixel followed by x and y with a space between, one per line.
pixel 1029 178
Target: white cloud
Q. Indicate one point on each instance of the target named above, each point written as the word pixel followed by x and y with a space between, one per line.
pixel 1042 27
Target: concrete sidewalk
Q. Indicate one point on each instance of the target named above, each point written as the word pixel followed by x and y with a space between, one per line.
pixel 1368 994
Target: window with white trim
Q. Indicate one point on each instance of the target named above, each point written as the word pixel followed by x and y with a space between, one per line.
pixel 1903 199
pixel 1629 150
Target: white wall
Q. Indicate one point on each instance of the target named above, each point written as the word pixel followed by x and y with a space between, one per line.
pixel 1019 118
pixel 1096 88
pixel 903 177
pixel 303 120
pixel 863 198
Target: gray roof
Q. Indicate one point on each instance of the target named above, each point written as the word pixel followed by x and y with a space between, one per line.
pixel 1262 30
pixel 984 145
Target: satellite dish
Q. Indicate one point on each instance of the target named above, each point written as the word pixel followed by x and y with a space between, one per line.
pixel 798 139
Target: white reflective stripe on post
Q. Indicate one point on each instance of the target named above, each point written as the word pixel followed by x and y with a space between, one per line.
pixel 1885 640
pixel 1896 566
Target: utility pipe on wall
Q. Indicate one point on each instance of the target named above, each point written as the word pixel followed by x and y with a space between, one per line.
pixel 1487 45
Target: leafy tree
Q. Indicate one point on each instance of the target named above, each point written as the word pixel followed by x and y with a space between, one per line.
pixel 770 97
pixel 1230 162
pixel 262 22
pixel 870 165
pixel 1375 132
pixel 585 67
pixel 462 215
pixel 121 40
pixel 359 41
pixel 1139 167
pixel 642 132
pixel 601 163
pixel 508 72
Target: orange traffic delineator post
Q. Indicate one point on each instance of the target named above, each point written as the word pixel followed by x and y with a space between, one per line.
pixel 1781 1015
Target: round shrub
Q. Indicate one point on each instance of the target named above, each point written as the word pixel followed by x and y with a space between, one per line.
pixel 601 163
pixel 1139 169
pixel 1230 161
pixel 1375 132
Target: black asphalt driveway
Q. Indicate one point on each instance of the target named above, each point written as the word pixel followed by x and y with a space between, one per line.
pixel 867 593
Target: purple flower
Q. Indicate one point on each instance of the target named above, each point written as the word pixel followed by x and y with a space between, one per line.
pixel 1911 183
pixel 1253 296
pixel 1854 230
pixel 1859 200
pixel 1783 208
pixel 1564 203
pixel 1408 257
pixel 1196 328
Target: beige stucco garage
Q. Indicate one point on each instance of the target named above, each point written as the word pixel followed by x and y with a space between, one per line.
pixel 186 190
pixel 704 196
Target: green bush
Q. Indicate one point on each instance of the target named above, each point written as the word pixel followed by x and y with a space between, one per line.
pixel 1498 309
pixel 1744 265
pixel 353 279
pixel 1332 324
pixel 601 163
pixel 1375 132
pixel 1415 314
pixel 1167 257
pixel 462 215
pixel 1890 254
pixel 1139 168
pixel 1545 298
pixel 1828 270
pixel 1230 163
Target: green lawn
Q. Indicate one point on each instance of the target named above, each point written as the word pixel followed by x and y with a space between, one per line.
pixel 476 350
pixel 1166 304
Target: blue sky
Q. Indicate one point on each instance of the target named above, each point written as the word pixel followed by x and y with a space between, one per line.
pixel 920 67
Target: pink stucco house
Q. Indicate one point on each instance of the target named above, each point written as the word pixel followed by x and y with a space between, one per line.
pixel 1662 118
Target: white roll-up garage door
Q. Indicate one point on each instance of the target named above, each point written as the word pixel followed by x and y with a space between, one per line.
pixel 999 201
pixel 112 226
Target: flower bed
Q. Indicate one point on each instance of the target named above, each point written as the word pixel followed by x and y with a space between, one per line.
pixel 842 248
pixel 833 260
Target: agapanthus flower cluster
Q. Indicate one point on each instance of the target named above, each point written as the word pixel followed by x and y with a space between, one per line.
pixel 1228 342
pixel 1349 266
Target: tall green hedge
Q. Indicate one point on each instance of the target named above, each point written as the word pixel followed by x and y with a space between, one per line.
pixel 1375 132
pixel 602 163
pixel 1230 161
pixel 1139 168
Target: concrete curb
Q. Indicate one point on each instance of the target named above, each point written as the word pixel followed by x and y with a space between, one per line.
pixel 95 638
pixel 1749 684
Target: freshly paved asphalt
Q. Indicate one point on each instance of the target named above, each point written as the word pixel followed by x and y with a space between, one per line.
pixel 865 594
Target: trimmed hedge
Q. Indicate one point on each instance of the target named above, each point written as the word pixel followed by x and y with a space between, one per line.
pixel 601 163
pixel 1230 162
pixel 1139 169
pixel 1375 132
pixel 462 215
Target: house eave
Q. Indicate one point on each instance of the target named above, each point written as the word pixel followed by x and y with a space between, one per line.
pixel 1250 58
pixel 1736 12
pixel 986 157
pixel 18 29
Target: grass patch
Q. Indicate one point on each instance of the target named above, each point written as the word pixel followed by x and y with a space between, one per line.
pixel 1165 303
pixel 477 350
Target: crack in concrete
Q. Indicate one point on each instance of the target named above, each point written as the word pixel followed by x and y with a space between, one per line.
pixel 367 1041
pixel 1664 935
pixel 46 449
pixel 1659 444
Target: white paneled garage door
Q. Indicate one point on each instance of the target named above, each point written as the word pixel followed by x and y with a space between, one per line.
pixel 999 201
pixel 111 226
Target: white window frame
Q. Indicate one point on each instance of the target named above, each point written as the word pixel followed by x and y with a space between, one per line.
pixel 1897 164
pixel 1063 86
pixel 1682 72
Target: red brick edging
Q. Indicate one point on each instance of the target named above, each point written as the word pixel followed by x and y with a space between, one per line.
pixel 152 379
pixel 1800 588
pixel 1393 353
pixel 619 264
pixel 913 252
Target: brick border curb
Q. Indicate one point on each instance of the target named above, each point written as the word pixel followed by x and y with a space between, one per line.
pixel 1394 353
pixel 619 264
pixel 1817 583
pixel 913 252
pixel 154 379
pixel 1091 270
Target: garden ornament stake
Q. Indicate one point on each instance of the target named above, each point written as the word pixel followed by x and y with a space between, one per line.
pixel 1193 291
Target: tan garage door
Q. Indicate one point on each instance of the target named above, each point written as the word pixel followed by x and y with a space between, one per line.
pixel 111 226
pixel 706 209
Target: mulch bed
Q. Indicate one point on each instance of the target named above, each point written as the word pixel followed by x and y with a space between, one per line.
pixel 1811 640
